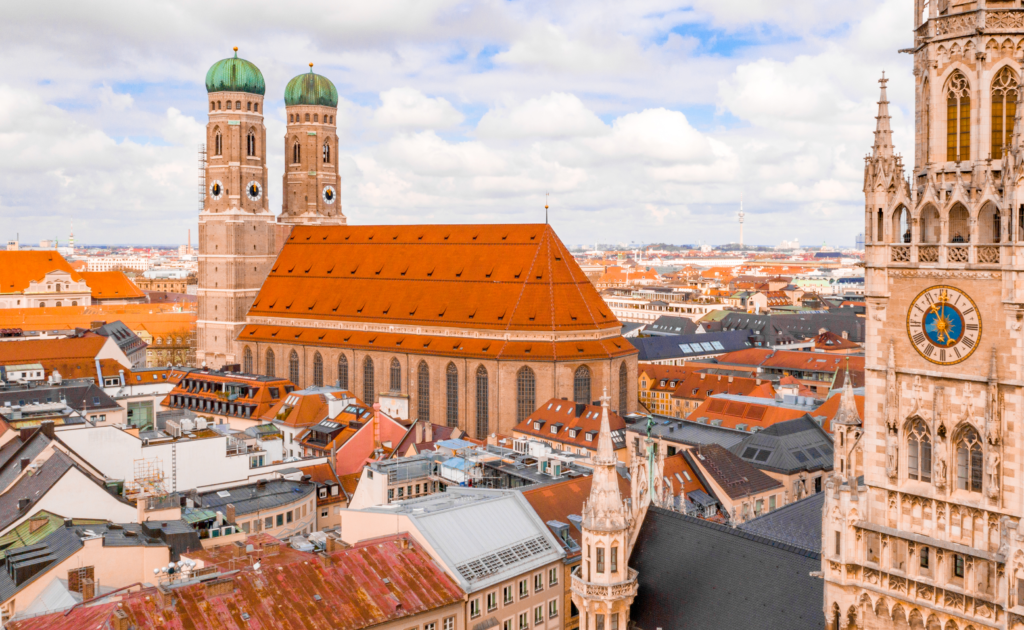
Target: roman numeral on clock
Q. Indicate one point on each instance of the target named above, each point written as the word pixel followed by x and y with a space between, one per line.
pixel 957 351
pixel 929 350
pixel 968 342
pixel 969 311
pixel 918 338
pixel 971 326
pixel 942 355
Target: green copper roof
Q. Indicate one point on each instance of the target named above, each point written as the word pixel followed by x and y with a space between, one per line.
pixel 235 75
pixel 311 89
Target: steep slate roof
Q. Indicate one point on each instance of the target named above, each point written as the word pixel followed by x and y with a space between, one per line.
pixel 59 545
pixel 18 268
pixel 585 419
pixel 690 346
pixel 32 487
pixel 670 325
pixel 684 432
pixel 498 277
pixel 797 524
pixel 250 498
pixel 373 583
pixel 771 328
pixel 111 285
pixel 698 575
pixel 736 477
pixel 81 395
pixel 788 447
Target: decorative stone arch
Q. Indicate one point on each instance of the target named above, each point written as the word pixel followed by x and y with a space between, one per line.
pixel 898 616
pixel 989 223
pixel 917 444
pixel 881 608
pixel 957 219
pixel 296 150
pixel 902 230
pixel 933 622
pixel 958 94
pixel 250 142
pixel 951 625
pixel 929 224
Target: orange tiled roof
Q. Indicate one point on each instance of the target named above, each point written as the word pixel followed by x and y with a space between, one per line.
pixel 658 372
pixel 443 346
pixel 190 386
pixel 583 420
pixel 500 277
pixel 71 317
pixel 828 340
pixel 556 501
pixel 828 409
pixel 73 357
pixel 680 476
pixel 694 387
pixel 731 413
pixel 111 285
pixel 300 409
pixel 19 268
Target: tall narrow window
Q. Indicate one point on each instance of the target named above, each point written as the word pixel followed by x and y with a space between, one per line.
pixel 250 144
pixel 959 225
pixel 327 153
pixel 318 370
pixel 879 229
pixel 423 392
pixel 307 117
pixel 293 368
pixel 526 393
pixel 926 121
pixel 247 360
pixel 368 387
pixel 623 389
pixel 343 372
pixel 581 385
pixel 218 142
pixel 451 378
pixel 901 225
pixel 600 560
pixel 615 559
pixel 958 118
pixel 270 363
pixel 395 381
pixel 1004 108
pixel 919 452
pixel 296 153
pixel 482 403
pixel 969 464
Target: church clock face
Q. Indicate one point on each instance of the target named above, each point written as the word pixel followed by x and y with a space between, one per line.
pixel 216 190
pixel 254 191
pixel 329 194
pixel 944 325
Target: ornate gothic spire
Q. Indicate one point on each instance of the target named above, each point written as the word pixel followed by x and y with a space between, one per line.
pixel 883 129
pixel 604 510
pixel 847 413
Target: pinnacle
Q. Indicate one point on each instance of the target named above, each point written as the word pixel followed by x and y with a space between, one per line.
pixel 883 129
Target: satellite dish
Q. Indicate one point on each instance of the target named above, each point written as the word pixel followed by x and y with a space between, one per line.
pixel 156 571
pixel 256 567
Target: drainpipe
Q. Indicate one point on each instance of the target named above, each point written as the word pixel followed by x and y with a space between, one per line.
pixel 99 372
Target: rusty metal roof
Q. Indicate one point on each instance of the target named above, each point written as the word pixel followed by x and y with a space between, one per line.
pixel 378 581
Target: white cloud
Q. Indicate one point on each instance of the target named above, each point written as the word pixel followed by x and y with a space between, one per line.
pixel 114 101
pixel 555 115
pixel 408 108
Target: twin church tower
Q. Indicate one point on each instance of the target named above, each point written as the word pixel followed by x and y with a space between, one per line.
pixel 239 237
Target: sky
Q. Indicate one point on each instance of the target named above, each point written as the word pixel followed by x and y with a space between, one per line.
pixel 643 121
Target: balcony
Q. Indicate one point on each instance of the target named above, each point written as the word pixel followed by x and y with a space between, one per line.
pixel 618 590
pixel 950 254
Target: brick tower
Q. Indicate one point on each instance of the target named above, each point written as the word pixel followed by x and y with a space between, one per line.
pixel 236 233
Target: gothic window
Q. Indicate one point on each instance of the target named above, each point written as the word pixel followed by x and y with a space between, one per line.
pixel 318 370
pixel 901 225
pixel 218 143
pixel 396 376
pixel 368 387
pixel 247 360
pixel 988 224
pixel 293 368
pixel 250 143
pixel 919 452
pixel 926 121
pixel 256 107
pixel 959 225
pixel 291 117
pixel 296 152
pixel 969 465
pixel 1004 109
pixel 623 389
pixel 929 226
pixel 452 391
pixel 342 372
pixel 958 118
pixel 879 230
pixel 423 392
pixel 526 393
pixel 270 363
pixel 327 153
pixel 482 403
pixel 581 385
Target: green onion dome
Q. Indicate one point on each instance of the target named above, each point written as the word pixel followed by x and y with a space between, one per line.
pixel 235 75
pixel 311 89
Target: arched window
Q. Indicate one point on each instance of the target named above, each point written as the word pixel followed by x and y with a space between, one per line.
pixel 879 230
pixel 958 118
pixel 293 368
pixel 1004 108
pixel 250 143
pixel 581 385
pixel 247 360
pixel 423 392
pixel 395 381
pixel 368 387
pixel 482 403
pixel 318 370
pixel 256 107
pixel 919 452
pixel 270 363
pixel 229 105
pixel 926 120
pixel 248 107
pixel 218 142
pixel 238 105
pixel 989 229
pixel 291 117
pixel 307 117
pixel 969 463
pixel 928 225
pixel 901 225
pixel 296 153
pixel 526 393
pixel 343 372
pixel 959 225
pixel 316 118
pixel 211 106
pixel 623 389
pixel 218 105
pixel 327 153
pixel 451 378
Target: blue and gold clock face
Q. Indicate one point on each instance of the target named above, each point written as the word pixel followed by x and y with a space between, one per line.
pixel 944 325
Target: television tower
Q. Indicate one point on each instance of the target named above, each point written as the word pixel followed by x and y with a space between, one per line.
pixel 741 215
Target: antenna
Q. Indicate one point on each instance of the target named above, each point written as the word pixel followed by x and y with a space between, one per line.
pixel 546 195
pixel 741 215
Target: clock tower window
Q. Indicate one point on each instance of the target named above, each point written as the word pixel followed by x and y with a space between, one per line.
pixel 959 225
pixel 958 118
pixel 969 461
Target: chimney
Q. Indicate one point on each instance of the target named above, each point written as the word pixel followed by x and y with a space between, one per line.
pixel 229 512
pixel 120 621
pixel 428 432
pixel 88 589
pixel 419 432
pixel 25 461
pixel 23 504
pixel 47 429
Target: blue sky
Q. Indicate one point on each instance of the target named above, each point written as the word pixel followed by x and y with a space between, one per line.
pixel 646 121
